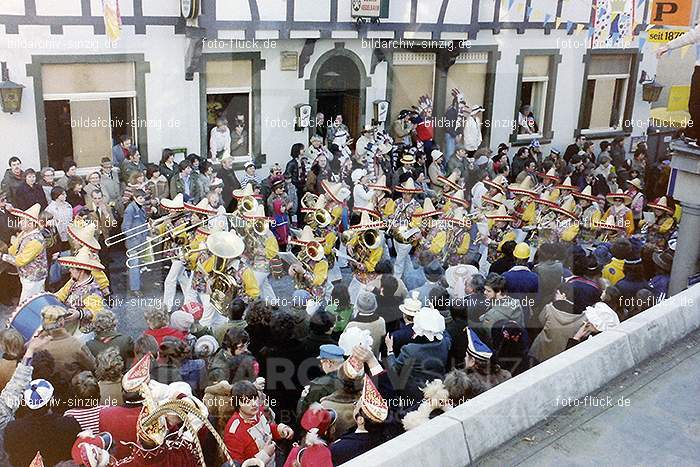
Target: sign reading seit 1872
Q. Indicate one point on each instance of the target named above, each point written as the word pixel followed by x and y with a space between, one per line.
pixel 366 8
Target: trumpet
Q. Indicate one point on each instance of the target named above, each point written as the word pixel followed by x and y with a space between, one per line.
pixel 140 229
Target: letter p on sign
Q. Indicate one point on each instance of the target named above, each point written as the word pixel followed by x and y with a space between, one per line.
pixel 671 12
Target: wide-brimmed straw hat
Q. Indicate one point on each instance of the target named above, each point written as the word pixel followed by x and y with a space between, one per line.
pixel 609 224
pixel 526 187
pixel 411 304
pixel 428 209
pixel 459 217
pixel 661 204
pixel 336 191
pixel 31 214
pixel 550 175
pixel 203 207
pixel 619 195
pixel 497 200
pixel 84 236
pixel 568 208
pixel 409 186
pixel 587 193
pixel 380 184
pixel 458 197
pixel 84 259
pixel 244 192
pixel 367 224
pixel 175 204
pixel 499 183
pixel 450 181
pixel 567 185
pixel 500 214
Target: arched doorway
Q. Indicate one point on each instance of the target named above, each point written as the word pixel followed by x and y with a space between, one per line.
pixel 338 86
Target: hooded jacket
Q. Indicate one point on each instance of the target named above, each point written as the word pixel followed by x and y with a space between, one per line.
pixel 558 326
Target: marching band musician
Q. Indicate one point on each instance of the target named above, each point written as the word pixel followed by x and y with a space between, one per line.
pixel 321 222
pixel 83 235
pixel 27 252
pixel 609 230
pixel 336 194
pixel 311 272
pixel 549 180
pixel 178 236
pixel 261 248
pixel 458 238
pixel 406 206
pixel 432 236
pixel 664 223
pixel 82 293
pixel 364 247
pixel 524 207
pixel 362 195
pixel 454 200
pixel 500 231
pixel 451 184
pixel 383 201
pixel 566 227
pixel 619 211
pixel 543 228
pixel 589 212
pixel 566 189
pixel 245 202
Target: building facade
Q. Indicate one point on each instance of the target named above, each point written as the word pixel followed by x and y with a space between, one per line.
pixel 166 78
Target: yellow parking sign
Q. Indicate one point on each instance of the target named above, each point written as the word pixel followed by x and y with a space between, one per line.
pixel 663 35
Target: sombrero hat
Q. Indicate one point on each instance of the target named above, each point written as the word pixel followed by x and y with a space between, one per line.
pixel 567 185
pixel 609 224
pixel 370 209
pixel 85 236
pixel 637 183
pixel 84 259
pixel 450 181
pixel 31 214
pixel 496 200
pixel 458 198
pixel 550 175
pixel 307 236
pixel 547 199
pixel 337 191
pixel 661 204
pixel 568 208
pixel 407 159
pixel 175 204
pixel 428 209
pixel 408 186
pixel 585 194
pixel 500 214
pixel 380 184
pixel 244 192
pixel 619 194
pixel 499 183
pixel 225 244
pixel 202 207
pixel 525 187
pixel 367 224
pixel 459 217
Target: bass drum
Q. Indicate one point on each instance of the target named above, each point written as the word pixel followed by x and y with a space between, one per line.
pixel 27 318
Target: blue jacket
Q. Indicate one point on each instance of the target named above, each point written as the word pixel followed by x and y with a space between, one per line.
pixel 586 293
pixel 520 280
pixel 134 215
pixel 424 362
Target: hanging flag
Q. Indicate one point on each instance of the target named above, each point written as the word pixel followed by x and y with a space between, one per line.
pixel 112 18
pixel 569 26
pixel 642 42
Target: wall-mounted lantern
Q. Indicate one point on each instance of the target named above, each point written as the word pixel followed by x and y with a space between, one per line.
pixel 10 92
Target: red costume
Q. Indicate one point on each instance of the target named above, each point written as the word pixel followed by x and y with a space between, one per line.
pixel 245 440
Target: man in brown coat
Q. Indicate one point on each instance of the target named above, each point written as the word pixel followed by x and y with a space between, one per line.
pixel 71 355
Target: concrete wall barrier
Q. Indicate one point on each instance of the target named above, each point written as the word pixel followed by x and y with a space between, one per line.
pixel 480 425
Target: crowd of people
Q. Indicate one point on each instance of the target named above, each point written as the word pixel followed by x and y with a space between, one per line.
pixel 422 278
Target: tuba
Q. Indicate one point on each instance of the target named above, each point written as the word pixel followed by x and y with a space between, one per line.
pixel 224 246
pixel 322 217
pixel 247 205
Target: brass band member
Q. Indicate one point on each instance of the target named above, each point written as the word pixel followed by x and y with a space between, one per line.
pixel 453 201
pixel 619 211
pixel 500 231
pixel 566 226
pixel 406 206
pixel 524 208
pixel 261 248
pixel 589 212
pixel 542 230
pixel 664 224
pixel 364 247
pixel 85 237
pixel 178 236
pixel 383 202
pixel 27 252
pixel 311 272
pixel 458 239
pixel 245 203
pixel 82 293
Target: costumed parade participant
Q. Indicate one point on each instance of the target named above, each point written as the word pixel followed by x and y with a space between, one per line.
pixel 403 227
pixel 261 248
pixel 499 232
pixel 83 235
pixel 589 213
pixel 659 232
pixel 619 211
pixel 364 246
pixel 27 252
pixel 310 273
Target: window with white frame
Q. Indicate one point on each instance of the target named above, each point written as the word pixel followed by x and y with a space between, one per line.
pixel 605 99
pixel 533 96
pixel 229 88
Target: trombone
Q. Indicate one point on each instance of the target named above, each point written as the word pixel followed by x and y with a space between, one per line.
pixel 139 229
pixel 149 243
pixel 133 261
